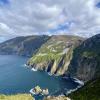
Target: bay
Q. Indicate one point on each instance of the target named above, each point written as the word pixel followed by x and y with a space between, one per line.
pixel 15 77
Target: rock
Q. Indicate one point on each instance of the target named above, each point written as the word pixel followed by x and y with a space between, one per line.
pixel 37 90
pixel 45 92
pixel 57 98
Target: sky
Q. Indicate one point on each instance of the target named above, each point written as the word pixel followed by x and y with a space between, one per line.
pixel 49 17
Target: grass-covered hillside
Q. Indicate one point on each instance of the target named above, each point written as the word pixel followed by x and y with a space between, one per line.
pixel 91 91
pixel 54 54
pixel 16 97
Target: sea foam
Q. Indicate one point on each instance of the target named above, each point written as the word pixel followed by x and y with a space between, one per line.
pixel 33 69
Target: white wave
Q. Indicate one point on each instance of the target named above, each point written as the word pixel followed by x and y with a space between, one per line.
pixel 33 69
pixel 31 91
pixel 75 80
pixel 70 91
pixel 24 65
pixel 49 74
pixel 73 90
pixel 81 83
pixel 78 81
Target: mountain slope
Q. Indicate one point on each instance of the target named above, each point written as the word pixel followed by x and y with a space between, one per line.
pixel 85 64
pixel 55 55
pixel 25 46
pixel 91 91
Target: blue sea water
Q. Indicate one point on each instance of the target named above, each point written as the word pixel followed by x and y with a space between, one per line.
pixel 16 78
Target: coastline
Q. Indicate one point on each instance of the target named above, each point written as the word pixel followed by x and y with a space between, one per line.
pixel 81 83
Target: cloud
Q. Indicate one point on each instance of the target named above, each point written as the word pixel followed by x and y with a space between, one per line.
pixel 75 17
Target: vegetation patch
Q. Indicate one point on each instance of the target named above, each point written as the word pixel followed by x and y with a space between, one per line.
pixel 16 97
pixel 91 91
pixel 89 54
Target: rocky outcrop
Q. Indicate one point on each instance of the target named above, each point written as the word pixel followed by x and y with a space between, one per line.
pixel 38 91
pixel 55 55
pixel 57 98
pixel 24 46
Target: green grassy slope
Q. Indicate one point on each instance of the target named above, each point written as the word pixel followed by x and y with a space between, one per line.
pixel 55 53
pixel 54 48
pixel 16 97
pixel 91 91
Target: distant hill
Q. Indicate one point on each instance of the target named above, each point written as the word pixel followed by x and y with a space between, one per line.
pixel 24 46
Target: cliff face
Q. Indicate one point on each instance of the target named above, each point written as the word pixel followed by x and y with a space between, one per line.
pixel 24 46
pixel 85 64
pixel 55 55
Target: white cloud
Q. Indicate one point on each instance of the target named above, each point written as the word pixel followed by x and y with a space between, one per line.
pixel 21 17
pixel 6 31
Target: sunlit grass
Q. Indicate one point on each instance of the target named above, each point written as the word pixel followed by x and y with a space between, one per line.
pixel 16 97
